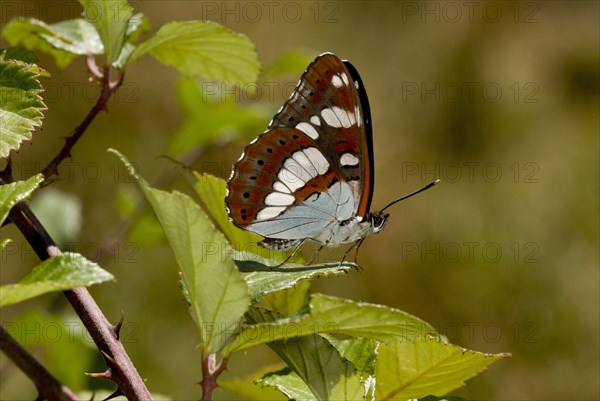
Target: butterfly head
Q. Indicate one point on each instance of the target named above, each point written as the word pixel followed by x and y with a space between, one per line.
pixel 377 221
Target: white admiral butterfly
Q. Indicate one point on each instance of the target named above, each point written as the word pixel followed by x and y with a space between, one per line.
pixel 310 175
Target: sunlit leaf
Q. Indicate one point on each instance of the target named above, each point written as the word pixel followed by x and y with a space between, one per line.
pixel 330 315
pixel 289 301
pixel 59 273
pixel 218 295
pixel 31 34
pixel 21 106
pixel 75 36
pixel 320 366
pixel 423 366
pixel 203 48
pixel 111 19
pixel 247 388
pixel 263 276
pixel 15 192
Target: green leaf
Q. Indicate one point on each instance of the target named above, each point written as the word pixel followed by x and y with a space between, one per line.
pixel 15 192
pixel 211 191
pixel 316 362
pixel 59 273
pixel 213 117
pixel 288 383
pixel 424 366
pixel 32 34
pixel 262 279
pixel 290 62
pixel 111 19
pixel 205 49
pixel 216 290
pixel 247 389
pixel 362 352
pixel 75 36
pixel 137 25
pixel 330 315
pixel 434 398
pixel 18 53
pixel 289 301
pixel 21 106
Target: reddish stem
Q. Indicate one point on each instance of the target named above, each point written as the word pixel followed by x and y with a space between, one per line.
pixel 210 373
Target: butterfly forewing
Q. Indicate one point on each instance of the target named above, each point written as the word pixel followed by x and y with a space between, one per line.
pixel 288 184
pixel 330 105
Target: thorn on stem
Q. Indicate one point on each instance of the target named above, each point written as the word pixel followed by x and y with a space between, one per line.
pixel 108 375
pixel 115 394
pixel 117 327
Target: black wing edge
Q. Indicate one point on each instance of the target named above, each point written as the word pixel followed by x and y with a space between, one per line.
pixel 366 112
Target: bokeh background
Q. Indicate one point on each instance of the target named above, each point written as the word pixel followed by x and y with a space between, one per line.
pixel 500 100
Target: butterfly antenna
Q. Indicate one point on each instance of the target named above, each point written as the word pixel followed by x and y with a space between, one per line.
pixel 411 194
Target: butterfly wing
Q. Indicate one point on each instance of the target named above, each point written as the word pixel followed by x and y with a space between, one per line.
pixel 330 105
pixel 321 137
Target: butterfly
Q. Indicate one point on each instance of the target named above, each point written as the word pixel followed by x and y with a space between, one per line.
pixel 309 176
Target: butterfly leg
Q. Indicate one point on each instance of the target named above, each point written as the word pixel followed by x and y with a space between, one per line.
pixel 316 255
pixel 356 245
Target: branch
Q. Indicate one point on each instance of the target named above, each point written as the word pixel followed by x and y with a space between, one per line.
pixel 108 88
pixel 48 387
pixel 210 373
pixel 106 336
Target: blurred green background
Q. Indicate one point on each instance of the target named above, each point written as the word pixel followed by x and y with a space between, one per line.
pixel 500 100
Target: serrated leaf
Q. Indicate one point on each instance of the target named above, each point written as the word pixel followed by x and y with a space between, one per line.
pixel 289 301
pixel 248 389
pixel 331 315
pixel 18 53
pixel 426 365
pixel 318 363
pixel 288 383
pixel 21 106
pixel 203 48
pixel 263 278
pixel 362 352
pixel 59 273
pixel 15 192
pixel 111 19
pixel 31 34
pixel 216 290
pixel 213 117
